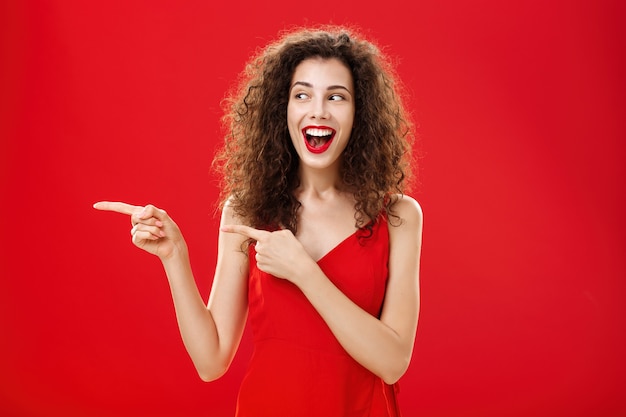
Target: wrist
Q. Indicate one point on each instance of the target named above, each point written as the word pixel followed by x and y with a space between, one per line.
pixel 179 253
pixel 307 276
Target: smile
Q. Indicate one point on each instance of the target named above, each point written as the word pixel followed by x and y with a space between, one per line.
pixel 318 138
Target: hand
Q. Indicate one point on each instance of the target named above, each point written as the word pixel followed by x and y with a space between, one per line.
pixel 153 230
pixel 278 253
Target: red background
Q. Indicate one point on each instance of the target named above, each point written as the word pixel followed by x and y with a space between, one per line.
pixel 520 107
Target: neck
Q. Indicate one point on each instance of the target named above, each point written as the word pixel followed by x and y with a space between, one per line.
pixel 319 182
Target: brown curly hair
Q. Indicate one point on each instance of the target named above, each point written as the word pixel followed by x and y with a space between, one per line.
pixel 258 163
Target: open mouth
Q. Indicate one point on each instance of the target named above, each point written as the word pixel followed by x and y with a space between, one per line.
pixel 318 139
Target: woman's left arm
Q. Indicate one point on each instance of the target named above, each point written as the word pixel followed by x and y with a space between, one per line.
pixel 384 346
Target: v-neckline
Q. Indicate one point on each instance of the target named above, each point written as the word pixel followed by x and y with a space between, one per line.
pixel 337 246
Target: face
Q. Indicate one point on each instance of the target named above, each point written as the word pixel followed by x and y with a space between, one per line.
pixel 320 111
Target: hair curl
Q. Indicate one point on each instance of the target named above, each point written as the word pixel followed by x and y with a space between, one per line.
pixel 258 163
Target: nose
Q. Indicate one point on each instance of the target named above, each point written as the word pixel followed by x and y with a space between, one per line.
pixel 319 109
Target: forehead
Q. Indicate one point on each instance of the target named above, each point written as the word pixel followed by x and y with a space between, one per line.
pixel 323 72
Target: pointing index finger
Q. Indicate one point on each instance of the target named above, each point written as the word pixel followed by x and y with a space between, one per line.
pixel 116 206
pixel 246 231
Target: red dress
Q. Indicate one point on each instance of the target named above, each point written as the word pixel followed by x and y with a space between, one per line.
pixel 298 368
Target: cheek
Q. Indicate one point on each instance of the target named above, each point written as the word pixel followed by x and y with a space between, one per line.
pixel 347 116
pixel 293 118
pixel 348 122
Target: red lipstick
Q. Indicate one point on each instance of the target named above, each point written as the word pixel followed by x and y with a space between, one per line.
pixel 318 139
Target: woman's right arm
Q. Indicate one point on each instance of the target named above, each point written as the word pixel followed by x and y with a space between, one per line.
pixel 211 333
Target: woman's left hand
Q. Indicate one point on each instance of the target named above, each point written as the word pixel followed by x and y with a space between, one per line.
pixel 278 253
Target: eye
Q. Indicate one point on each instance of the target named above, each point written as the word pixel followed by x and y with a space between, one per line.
pixel 301 96
pixel 336 97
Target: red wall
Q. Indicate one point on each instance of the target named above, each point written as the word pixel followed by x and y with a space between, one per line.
pixel 521 112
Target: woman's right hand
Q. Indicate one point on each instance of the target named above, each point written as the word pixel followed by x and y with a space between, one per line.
pixel 153 230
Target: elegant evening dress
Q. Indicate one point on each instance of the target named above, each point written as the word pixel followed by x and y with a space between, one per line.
pixel 298 368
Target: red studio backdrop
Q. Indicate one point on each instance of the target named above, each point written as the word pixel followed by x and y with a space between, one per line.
pixel 521 119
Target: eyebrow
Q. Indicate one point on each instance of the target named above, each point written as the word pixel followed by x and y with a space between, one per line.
pixel 330 87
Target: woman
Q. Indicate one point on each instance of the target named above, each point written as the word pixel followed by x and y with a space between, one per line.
pixel 318 244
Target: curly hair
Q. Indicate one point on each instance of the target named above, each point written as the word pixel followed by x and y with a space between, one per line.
pixel 258 163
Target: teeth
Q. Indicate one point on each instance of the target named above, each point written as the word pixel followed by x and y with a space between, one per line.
pixel 319 132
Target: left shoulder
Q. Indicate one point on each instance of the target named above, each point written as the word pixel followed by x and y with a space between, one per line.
pixel 408 211
pixel 405 222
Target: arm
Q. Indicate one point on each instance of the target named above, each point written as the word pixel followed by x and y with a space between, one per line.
pixel 384 346
pixel 211 334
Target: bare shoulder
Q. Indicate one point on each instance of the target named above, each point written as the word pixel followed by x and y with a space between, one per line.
pixel 231 242
pixel 230 216
pixel 409 212
pixel 405 242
